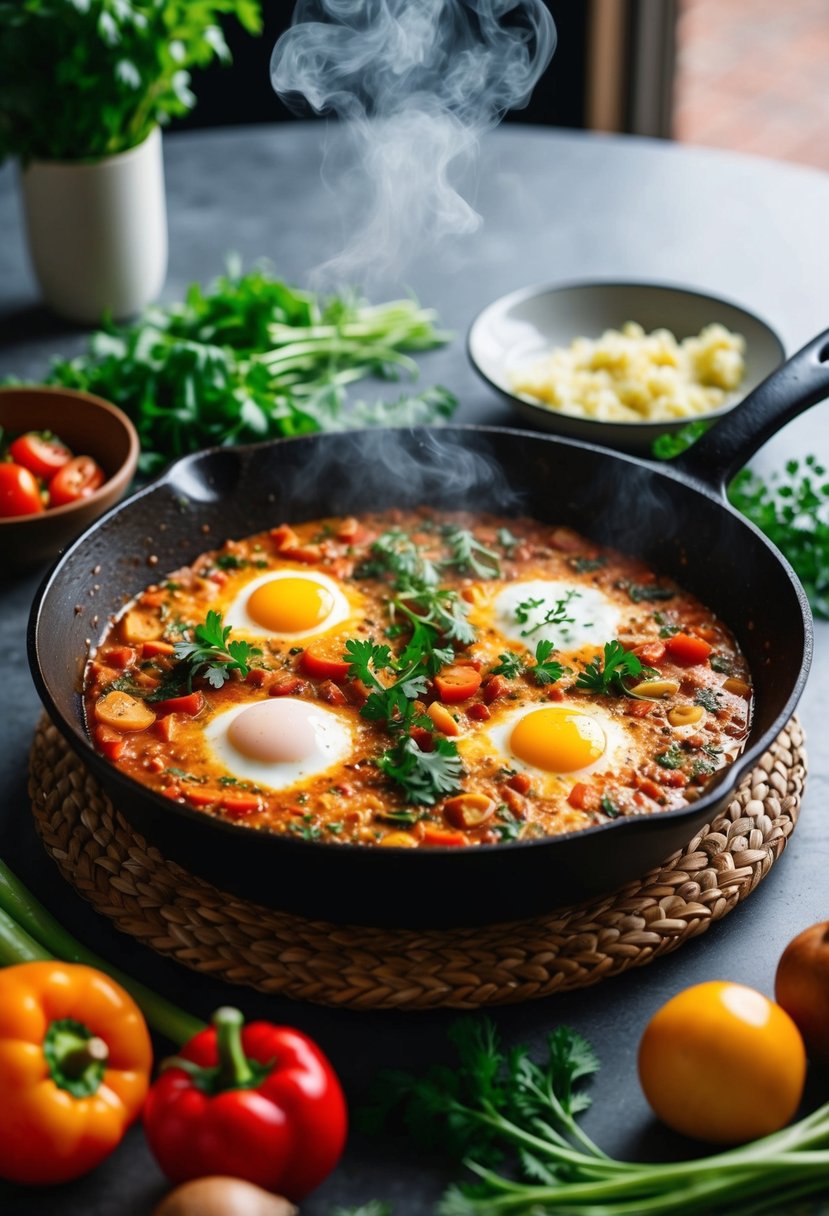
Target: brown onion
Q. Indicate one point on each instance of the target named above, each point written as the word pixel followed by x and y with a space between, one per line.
pixel 219 1196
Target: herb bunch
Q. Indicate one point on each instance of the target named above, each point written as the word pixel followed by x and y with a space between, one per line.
pixel 513 1122
pixel 83 79
pixel 545 670
pixel 253 358
pixel 791 507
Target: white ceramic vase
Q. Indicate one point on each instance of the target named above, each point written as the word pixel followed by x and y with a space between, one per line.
pixel 98 231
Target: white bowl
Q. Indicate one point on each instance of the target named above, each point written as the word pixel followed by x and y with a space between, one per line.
pixel 527 324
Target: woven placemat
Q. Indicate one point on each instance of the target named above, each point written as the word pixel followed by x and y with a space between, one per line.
pixel 175 913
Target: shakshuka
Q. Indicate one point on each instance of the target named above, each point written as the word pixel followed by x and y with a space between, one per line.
pixel 418 679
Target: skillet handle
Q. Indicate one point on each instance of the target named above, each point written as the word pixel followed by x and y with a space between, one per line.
pixel 798 384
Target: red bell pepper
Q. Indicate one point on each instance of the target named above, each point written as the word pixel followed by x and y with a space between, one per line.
pixel 258 1102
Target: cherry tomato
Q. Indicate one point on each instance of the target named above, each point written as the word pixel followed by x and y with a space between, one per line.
pixel 323 659
pixel 41 454
pixel 722 1063
pixel 19 491
pixel 78 478
pixel 457 683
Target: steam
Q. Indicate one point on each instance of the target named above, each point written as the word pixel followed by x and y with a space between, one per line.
pixel 417 82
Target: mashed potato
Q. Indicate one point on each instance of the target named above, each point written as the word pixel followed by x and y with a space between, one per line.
pixel 631 376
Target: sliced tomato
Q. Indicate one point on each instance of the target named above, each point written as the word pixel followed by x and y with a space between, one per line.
pixel 41 454
pixel 457 683
pixel 19 491
pixel 687 650
pixel 323 660
pixel 78 478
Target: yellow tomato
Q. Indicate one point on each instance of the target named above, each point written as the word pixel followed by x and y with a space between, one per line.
pixel 722 1063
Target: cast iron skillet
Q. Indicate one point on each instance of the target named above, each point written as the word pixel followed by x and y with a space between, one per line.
pixel 674 516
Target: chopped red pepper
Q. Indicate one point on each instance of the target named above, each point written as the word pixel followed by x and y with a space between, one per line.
pixel 191 704
pixel 259 1102
pixel 687 650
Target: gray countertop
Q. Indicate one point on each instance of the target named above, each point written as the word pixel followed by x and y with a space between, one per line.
pixel 556 207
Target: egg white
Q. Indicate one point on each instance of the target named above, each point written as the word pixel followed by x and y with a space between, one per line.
pixel 236 614
pixel 332 744
pixel 594 617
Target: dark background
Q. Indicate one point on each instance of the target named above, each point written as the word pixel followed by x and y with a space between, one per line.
pixel 241 92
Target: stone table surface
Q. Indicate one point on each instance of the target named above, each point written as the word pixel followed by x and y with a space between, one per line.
pixel 556 207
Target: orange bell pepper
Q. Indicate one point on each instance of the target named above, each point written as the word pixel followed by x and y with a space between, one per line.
pixel 75 1060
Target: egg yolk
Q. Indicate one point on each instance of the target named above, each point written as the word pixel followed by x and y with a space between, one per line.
pixel 290 605
pixel 557 739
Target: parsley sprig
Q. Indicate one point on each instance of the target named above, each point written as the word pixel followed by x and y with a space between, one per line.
pixel 512 1120
pixel 424 776
pixel 468 554
pixel 211 653
pixel 544 671
pixel 607 674
pixel 554 616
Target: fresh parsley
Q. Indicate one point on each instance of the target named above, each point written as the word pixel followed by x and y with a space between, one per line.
pixel 587 565
pixel 212 654
pixel 553 617
pixel 424 777
pixel 252 358
pixel 607 674
pixel 511 1119
pixel 648 592
pixel 708 699
pixel 544 671
pixel 673 757
pixel 792 509
pixel 468 555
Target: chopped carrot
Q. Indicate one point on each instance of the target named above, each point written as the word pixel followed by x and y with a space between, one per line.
pixel 443 720
pixel 156 647
pixel 121 656
pixel 520 782
pixel 110 742
pixel 441 836
pixel 323 660
pixel 584 797
pixel 238 806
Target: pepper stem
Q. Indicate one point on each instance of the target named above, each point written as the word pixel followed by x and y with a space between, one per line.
pixel 234 1071
pixel 76 1057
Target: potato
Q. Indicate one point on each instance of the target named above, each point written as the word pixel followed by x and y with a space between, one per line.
pixel 219 1196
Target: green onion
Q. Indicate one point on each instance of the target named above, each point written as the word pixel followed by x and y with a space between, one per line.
pixel 28 933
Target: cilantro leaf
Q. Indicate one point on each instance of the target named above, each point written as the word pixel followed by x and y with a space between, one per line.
pixel 469 555
pixel 424 777
pixel 510 665
pixel 607 675
pixel 211 654
pixel 546 670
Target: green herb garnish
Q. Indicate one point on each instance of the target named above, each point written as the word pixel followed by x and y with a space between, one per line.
pixel 468 554
pixel 673 757
pixel 424 777
pixel 511 1119
pixel 708 699
pixel 648 592
pixel 212 654
pixel 586 565
pixel 544 671
pixel 554 617
pixel 607 674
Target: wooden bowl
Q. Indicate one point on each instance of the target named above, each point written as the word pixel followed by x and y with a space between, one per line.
pixel 90 426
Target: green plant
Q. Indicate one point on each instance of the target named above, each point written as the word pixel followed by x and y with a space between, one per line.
pixel 83 79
